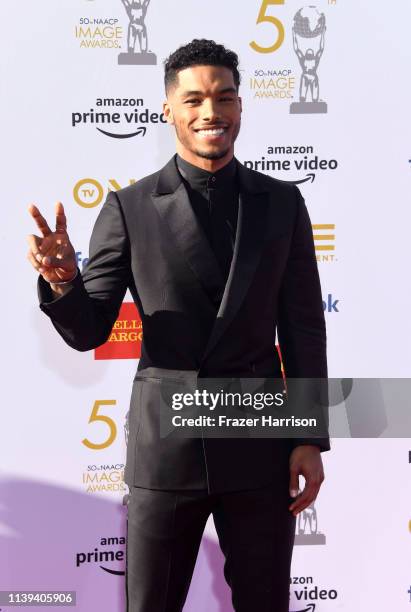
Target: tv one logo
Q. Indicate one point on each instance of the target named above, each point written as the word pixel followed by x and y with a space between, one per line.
pixel 89 192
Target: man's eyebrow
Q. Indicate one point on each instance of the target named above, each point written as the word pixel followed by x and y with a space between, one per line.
pixel 194 92
pixel 228 90
pixel 191 93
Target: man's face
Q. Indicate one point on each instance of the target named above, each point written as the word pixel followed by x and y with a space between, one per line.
pixel 205 109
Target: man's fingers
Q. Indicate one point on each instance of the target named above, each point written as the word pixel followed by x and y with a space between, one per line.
pixel 49 261
pixel 294 482
pixel 306 461
pixel 34 243
pixel 306 498
pixel 61 221
pixel 40 220
pixel 36 265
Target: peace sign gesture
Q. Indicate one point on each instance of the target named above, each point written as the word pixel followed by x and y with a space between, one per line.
pixel 52 254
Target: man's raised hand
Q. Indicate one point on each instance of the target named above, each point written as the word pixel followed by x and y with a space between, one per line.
pixel 52 253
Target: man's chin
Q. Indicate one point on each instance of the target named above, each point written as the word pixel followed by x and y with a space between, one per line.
pixel 212 154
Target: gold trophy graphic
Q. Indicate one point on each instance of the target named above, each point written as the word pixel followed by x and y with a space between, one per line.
pixel 308 42
pixel 137 42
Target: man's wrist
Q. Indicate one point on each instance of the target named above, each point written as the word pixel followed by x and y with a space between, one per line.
pixel 323 444
pixel 62 287
pixel 67 282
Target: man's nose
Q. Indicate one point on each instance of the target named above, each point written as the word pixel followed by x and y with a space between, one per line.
pixel 210 110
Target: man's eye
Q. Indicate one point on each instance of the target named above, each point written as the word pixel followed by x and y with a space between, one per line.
pixel 227 99
pixel 192 101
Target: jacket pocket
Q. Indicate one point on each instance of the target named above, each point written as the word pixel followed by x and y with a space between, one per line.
pixel 160 379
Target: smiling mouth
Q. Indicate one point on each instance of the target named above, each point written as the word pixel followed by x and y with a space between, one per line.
pixel 207 132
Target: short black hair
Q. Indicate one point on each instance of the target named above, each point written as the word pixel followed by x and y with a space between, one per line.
pixel 200 52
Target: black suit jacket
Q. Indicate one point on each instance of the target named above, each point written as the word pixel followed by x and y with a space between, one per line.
pixel 147 238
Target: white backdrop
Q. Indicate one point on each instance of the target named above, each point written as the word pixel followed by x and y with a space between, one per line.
pixel 61 518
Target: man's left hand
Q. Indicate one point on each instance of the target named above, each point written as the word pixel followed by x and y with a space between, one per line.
pixel 305 460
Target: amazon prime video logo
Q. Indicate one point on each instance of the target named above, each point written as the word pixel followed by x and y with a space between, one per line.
pixel 293 163
pixel 118 117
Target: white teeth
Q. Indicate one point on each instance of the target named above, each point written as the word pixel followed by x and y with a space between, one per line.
pixel 215 132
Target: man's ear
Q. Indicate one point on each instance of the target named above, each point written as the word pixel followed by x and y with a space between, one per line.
pixel 240 101
pixel 168 112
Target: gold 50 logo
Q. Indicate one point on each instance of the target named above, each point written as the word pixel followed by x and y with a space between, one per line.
pixel 97 417
pixel 278 28
pixel 89 192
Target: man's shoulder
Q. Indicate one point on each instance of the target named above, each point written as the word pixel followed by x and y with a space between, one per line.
pixel 264 182
pixel 140 187
pixel 252 178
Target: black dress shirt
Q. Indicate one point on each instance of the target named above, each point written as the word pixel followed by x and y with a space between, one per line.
pixel 214 199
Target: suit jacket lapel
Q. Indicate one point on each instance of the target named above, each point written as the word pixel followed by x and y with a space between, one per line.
pixel 172 202
pixel 251 227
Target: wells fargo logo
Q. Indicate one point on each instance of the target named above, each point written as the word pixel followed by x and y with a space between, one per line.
pixel 124 341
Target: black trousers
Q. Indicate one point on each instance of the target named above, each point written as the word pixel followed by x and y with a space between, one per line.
pixel 164 530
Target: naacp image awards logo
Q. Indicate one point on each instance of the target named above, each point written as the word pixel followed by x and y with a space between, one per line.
pixel 308 43
pixel 137 53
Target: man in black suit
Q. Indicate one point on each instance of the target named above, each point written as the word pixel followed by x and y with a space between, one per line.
pixel 218 258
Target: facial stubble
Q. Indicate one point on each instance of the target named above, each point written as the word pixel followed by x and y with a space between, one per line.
pixel 206 154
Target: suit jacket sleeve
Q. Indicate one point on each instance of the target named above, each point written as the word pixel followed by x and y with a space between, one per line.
pixel 84 316
pixel 301 324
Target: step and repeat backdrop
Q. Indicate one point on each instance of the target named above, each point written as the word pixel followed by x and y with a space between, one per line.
pixel 326 99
